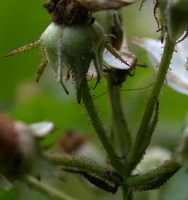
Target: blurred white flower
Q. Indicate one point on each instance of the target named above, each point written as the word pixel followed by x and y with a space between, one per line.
pixel 42 129
pixel 177 76
pixel 153 158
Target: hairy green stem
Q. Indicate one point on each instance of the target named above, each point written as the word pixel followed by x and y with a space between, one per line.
pixel 47 189
pixel 82 164
pixel 127 195
pixel 160 174
pixel 142 132
pixel 99 129
pixel 121 132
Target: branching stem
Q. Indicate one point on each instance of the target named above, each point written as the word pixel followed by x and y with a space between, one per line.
pixel 151 102
pixel 83 164
pixel 99 129
pixel 47 189
pixel 162 173
pixel 121 132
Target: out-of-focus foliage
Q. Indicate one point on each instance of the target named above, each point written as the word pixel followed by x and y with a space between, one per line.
pixel 22 22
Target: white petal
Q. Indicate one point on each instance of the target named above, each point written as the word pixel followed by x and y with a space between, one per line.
pixel 41 129
pixel 92 73
pixel 112 62
pixel 154 157
pixel 177 76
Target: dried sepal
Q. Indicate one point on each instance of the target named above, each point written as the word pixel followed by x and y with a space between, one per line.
pixel 43 64
pixel 23 48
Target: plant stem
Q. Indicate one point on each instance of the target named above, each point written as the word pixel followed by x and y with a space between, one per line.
pixel 151 102
pixel 127 195
pixel 163 172
pixel 121 132
pixel 47 189
pixel 82 164
pixel 99 129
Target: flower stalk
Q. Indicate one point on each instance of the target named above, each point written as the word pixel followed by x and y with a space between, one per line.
pixel 47 189
pixel 121 131
pixel 154 178
pixel 100 131
pixel 142 135
pixel 82 164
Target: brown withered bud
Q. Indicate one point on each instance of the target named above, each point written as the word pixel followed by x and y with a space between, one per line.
pixel 71 141
pixel 16 147
pixel 8 138
pixel 67 12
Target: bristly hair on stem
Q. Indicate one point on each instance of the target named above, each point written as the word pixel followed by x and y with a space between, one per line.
pixel 142 134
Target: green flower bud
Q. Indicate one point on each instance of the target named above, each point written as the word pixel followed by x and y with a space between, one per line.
pixel 74 47
pixel 178 18
pixel 175 13
pixel 111 22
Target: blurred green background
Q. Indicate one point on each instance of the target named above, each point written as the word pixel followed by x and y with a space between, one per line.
pixel 22 22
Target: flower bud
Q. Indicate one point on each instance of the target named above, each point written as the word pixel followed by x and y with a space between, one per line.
pixel 111 22
pixel 178 19
pixel 74 47
pixel 175 13
pixel 16 148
